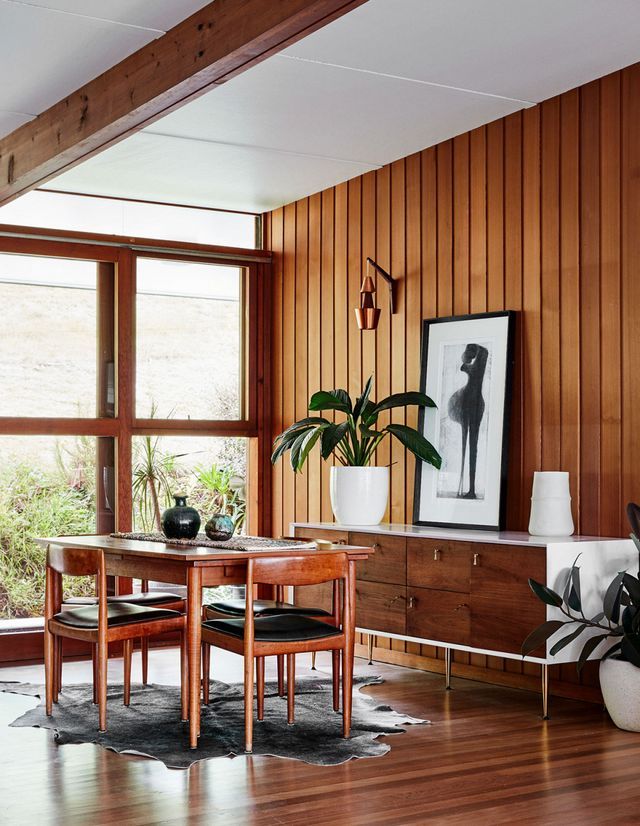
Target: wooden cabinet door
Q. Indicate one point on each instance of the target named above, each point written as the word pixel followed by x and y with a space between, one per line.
pixel 504 570
pixel 501 623
pixel 445 566
pixel 443 616
pixel 387 563
pixel 381 607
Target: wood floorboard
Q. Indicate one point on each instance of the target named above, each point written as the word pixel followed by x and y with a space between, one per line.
pixel 487 758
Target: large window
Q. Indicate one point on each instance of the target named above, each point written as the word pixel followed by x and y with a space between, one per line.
pixel 127 376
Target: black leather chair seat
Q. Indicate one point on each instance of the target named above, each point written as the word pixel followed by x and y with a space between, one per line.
pixel 278 628
pixel 119 614
pixel 264 608
pixel 149 598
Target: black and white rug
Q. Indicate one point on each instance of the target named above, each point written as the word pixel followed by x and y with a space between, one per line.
pixel 151 725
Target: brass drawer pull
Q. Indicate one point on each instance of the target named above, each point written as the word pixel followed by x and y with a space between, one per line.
pixel 436 554
pixel 476 559
pixel 412 602
pixel 375 546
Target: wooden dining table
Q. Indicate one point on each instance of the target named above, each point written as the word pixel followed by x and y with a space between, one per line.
pixel 196 567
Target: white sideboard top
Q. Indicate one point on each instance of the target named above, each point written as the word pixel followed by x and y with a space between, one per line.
pixel 459 534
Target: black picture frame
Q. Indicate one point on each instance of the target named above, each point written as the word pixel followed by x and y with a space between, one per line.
pixel 449 506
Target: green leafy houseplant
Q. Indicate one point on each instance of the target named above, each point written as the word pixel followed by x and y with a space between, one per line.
pixel 619 619
pixel 353 442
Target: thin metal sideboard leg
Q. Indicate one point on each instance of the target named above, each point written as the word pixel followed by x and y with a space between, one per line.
pixel 313 660
pixel 370 640
pixel 545 692
pixel 447 669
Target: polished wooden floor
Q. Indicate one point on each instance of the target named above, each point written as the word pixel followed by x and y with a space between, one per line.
pixel 487 758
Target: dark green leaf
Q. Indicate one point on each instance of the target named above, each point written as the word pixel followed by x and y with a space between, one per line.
pixel 632 584
pixel 279 451
pixel 370 434
pixel 416 443
pixel 363 399
pixel 540 635
pixel 332 400
pixel 296 448
pixel 572 593
pixel 630 647
pixel 545 594
pixel 331 435
pixel 368 413
pixel 303 423
pixel 589 647
pixel 598 617
pixel 611 651
pixel 310 441
pixel 611 603
pixel 558 646
pixel 404 400
pixel 629 614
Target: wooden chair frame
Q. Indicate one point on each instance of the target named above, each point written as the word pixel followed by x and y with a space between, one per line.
pixel 294 571
pixel 90 562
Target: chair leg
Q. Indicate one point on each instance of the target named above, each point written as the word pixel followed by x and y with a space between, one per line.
pixel 127 652
pixel 49 667
pixel 94 662
pixel 347 688
pixel 248 704
pixel 103 655
pixel 335 675
pixel 58 682
pixel 144 650
pixel 206 672
pixel 260 686
pixel 291 686
pixel 280 659
pixel 184 679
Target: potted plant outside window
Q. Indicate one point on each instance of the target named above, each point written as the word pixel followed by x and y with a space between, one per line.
pixel 616 625
pixel 359 491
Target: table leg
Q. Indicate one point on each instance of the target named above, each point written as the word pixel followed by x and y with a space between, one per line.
pixel 194 639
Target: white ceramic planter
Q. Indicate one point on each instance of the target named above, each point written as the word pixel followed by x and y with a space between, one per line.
pixel 359 495
pixel 620 683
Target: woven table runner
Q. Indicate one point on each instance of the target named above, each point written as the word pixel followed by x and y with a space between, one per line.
pixel 236 543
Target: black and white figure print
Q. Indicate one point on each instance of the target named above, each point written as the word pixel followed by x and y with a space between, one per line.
pixel 466 369
pixel 464 418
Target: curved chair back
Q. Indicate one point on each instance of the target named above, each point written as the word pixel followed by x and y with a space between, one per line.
pixel 297 570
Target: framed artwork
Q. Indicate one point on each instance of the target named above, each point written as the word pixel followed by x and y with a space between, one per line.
pixel 467 369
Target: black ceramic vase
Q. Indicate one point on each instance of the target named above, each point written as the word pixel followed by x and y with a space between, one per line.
pixel 219 528
pixel 180 521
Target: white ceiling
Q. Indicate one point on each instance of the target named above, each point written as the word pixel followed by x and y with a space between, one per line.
pixel 388 79
pixel 49 48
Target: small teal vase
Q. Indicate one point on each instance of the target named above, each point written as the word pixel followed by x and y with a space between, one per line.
pixel 180 521
pixel 219 528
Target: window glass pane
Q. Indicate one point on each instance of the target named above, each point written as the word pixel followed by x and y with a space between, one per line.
pixel 48 337
pixel 189 334
pixel 83 213
pixel 210 471
pixel 47 488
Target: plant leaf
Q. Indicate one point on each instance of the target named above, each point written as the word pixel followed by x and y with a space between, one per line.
pixel 558 646
pixel 611 603
pixel 309 442
pixel 403 400
pixel 331 400
pixel 331 435
pixel 540 635
pixel 416 443
pixel 368 413
pixel 589 647
pixel 611 651
pixel 303 423
pixel 296 447
pixel 632 584
pixel 545 594
pixel 362 400
pixel 630 647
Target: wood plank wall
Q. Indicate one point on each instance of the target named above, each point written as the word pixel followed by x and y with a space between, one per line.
pixel 538 212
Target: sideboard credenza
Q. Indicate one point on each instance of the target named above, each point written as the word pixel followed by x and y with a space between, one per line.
pixel 468 590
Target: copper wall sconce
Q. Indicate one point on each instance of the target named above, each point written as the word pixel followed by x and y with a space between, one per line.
pixel 367 314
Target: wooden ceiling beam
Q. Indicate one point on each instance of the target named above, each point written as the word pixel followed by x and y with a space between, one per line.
pixel 215 44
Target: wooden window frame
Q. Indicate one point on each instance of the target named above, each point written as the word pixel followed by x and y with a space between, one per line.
pixel 255 424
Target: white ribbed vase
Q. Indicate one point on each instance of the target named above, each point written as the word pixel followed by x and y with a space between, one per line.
pixel 359 495
pixel 551 504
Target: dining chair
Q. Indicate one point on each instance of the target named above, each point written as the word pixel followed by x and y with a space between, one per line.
pixel 156 599
pixel 235 608
pixel 257 637
pixel 99 625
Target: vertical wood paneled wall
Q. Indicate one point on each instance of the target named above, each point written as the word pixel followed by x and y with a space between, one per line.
pixel 538 212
